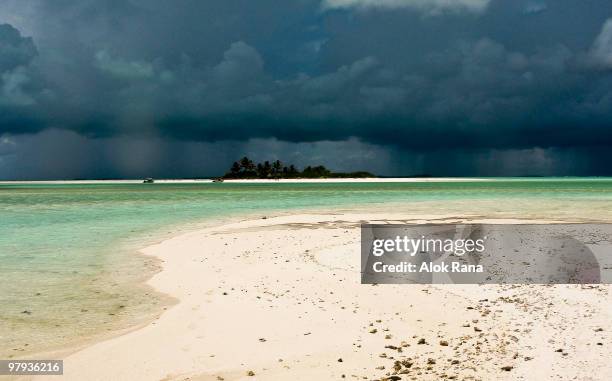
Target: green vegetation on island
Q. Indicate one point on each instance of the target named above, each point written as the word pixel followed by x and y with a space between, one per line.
pixel 245 168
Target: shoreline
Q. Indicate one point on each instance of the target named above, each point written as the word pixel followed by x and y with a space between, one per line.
pixel 175 231
pixel 181 326
pixel 302 180
pixel 252 181
pixel 133 323
pixel 141 282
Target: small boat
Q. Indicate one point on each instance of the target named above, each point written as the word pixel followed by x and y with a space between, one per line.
pixel 148 180
pixel 218 180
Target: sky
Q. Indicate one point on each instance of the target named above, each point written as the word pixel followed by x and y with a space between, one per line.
pixel 157 88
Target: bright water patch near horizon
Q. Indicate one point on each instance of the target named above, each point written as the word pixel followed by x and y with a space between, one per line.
pixel 67 266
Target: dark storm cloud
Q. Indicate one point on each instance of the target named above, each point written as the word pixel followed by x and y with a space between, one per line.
pixel 16 50
pixel 19 85
pixel 406 74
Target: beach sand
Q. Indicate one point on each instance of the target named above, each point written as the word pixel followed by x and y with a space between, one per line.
pixel 280 299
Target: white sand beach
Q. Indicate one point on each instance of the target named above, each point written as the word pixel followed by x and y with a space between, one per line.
pixel 280 299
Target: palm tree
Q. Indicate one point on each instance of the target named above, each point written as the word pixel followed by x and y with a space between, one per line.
pixel 235 168
pixel 276 167
pixel 247 164
pixel 267 168
pixel 248 168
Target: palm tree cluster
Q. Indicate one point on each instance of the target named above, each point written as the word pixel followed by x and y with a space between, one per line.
pixel 245 168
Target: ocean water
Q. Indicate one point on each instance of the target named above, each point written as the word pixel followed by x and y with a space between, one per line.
pixel 68 266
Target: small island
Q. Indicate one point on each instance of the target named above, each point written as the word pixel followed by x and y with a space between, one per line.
pixel 245 168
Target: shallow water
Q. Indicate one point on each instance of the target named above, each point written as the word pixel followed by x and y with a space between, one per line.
pixel 68 269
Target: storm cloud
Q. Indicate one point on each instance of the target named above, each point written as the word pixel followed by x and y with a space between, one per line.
pixel 414 80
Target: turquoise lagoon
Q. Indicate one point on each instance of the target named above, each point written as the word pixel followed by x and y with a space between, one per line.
pixel 69 271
